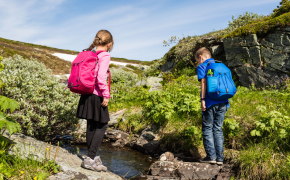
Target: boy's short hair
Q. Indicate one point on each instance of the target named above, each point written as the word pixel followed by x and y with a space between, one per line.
pixel 202 51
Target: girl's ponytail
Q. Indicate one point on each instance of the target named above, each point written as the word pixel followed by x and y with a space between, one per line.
pixel 102 38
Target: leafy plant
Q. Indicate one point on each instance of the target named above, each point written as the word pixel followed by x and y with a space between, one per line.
pixel 46 108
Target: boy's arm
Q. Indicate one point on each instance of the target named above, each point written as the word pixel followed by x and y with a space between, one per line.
pixel 203 91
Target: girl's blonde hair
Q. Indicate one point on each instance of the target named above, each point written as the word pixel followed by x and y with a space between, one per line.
pixel 103 37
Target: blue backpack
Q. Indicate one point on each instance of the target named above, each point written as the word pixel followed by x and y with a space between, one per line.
pixel 220 84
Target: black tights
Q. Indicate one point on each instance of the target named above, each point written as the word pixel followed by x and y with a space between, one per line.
pixel 95 134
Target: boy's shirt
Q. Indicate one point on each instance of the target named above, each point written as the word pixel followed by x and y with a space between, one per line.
pixel 201 73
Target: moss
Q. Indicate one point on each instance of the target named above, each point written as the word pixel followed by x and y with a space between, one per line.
pixel 279 18
pixel 261 26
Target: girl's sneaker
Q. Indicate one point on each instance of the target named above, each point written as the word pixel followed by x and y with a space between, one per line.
pixel 208 160
pixel 98 161
pixel 88 163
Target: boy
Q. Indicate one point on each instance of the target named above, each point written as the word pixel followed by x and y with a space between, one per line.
pixel 213 113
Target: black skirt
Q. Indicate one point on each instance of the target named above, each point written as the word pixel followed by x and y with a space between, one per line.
pixel 90 108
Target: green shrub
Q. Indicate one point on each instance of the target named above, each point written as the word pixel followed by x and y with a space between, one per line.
pixel 46 108
pixel 154 69
pixel 279 18
pixel 121 76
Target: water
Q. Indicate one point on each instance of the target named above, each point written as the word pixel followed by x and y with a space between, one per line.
pixel 125 162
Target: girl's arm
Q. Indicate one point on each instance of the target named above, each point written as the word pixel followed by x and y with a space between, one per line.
pixel 102 75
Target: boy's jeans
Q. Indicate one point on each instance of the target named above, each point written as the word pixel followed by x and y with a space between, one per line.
pixel 213 138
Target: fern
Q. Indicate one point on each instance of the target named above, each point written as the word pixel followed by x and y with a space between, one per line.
pixel 8 123
pixel 6 103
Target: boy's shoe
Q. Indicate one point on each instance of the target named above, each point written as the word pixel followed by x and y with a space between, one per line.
pixel 219 162
pixel 88 163
pixel 208 160
pixel 98 161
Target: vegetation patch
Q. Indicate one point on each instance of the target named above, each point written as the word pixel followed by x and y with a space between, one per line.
pixel 279 18
pixel 46 108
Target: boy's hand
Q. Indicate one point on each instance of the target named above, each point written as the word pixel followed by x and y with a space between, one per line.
pixel 203 107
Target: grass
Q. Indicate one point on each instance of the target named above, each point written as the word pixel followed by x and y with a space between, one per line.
pixel 176 110
pixel 41 53
pixel 147 63
pixel 44 54
pixel 15 167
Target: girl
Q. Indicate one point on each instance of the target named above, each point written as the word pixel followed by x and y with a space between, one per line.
pixel 94 107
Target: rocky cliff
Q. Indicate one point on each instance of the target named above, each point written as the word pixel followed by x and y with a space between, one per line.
pixel 252 59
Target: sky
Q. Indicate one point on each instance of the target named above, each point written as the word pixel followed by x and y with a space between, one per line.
pixel 138 26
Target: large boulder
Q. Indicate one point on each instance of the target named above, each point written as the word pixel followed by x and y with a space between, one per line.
pixel 168 167
pixel 70 163
pixel 260 61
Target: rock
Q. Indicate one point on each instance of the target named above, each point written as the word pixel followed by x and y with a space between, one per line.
pixel 275 38
pixel 115 135
pixel 120 143
pixel 149 141
pixel 115 117
pixel 255 55
pixel 69 163
pixel 184 170
pixel 167 66
pixel 168 156
pixel 155 87
pixel 209 41
pixel 141 83
pixel 154 82
pixel 217 49
pixel 68 175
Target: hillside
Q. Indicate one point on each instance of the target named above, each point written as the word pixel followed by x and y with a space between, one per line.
pixel 43 54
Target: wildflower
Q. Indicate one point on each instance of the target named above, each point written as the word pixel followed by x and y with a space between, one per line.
pixel 22 172
pixel 35 178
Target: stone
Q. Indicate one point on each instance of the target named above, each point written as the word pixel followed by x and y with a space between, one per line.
pixel 251 40
pixel 115 135
pixel 285 40
pixel 152 80
pixel 267 44
pixel 273 58
pixel 237 56
pixel 287 28
pixel 155 87
pixel 141 83
pixel 255 55
pixel 209 41
pixel 70 164
pixel 260 77
pixel 217 49
pixel 184 170
pixel 149 141
pixel 275 38
pixel 167 66
pixel 120 143
pixel 115 117
pixel 168 156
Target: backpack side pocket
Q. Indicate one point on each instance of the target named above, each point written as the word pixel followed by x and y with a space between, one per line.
pixel 212 84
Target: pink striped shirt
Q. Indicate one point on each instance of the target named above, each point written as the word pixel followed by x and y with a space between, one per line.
pixel 101 88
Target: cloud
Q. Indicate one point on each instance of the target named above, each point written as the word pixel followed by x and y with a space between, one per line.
pixel 138 27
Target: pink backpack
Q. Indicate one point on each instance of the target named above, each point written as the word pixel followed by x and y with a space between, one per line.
pixel 83 74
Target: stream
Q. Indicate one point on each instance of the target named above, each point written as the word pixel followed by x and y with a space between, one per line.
pixel 125 161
